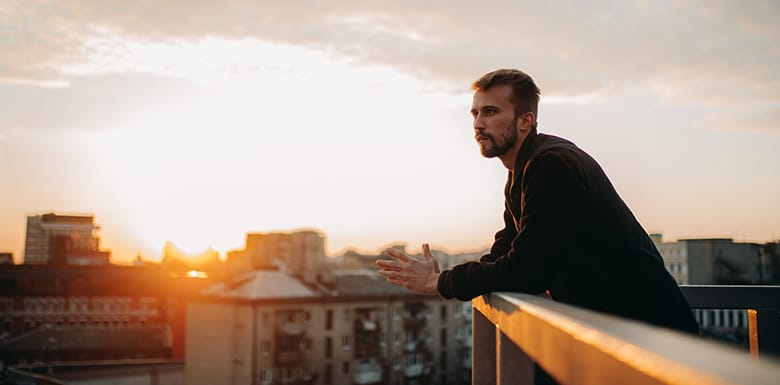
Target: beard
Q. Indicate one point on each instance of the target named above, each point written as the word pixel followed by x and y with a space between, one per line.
pixel 493 146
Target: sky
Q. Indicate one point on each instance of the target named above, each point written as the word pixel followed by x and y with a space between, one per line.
pixel 196 122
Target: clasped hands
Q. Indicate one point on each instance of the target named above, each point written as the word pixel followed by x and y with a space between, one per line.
pixel 418 276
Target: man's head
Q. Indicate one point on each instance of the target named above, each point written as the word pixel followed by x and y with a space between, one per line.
pixel 504 110
pixel 525 93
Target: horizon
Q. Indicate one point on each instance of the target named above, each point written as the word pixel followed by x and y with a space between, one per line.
pixel 180 253
pixel 354 118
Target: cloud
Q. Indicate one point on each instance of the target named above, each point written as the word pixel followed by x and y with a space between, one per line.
pixel 713 53
pixel 87 103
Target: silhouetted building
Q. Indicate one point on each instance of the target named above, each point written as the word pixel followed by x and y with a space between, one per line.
pixel 54 239
pixel 86 313
pixel 300 253
pixel 769 268
pixel 175 261
pixel 6 259
pixel 716 261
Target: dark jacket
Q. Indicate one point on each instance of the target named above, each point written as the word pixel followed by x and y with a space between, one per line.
pixel 566 230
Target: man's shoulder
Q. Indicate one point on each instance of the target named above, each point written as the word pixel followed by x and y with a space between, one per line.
pixel 551 144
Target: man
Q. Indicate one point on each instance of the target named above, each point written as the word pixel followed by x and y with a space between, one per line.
pixel 566 230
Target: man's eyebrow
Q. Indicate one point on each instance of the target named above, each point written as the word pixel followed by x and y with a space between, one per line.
pixel 486 106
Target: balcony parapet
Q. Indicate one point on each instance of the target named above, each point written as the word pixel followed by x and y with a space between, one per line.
pixel 575 345
pixel 291 329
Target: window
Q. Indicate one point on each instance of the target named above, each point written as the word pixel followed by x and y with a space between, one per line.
pixel 347 315
pixel 286 374
pixel 265 347
pixel 265 376
pixel 328 374
pixel 443 360
pixel 328 347
pixel 346 342
pixel 345 367
pixel 443 337
pixel 382 338
pixel 396 338
pixel 443 313
pixel 329 320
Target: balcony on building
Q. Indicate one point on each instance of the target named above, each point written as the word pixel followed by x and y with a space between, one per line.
pixel 367 371
pixel 367 332
pixel 291 329
pixel 289 349
pixel 417 370
pixel 513 332
pixel 415 315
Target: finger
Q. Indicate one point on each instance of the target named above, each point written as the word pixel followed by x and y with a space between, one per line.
pixel 392 274
pixel 426 250
pixel 398 255
pixel 436 266
pixel 396 282
pixel 385 263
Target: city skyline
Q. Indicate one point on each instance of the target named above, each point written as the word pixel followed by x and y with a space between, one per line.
pixel 196 124
pixel 171 249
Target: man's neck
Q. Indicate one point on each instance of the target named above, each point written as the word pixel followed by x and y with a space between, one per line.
pixel 509 157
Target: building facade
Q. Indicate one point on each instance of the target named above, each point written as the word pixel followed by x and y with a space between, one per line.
pixel 88 313
pixel 268 327
pixel 715 261
pixel 53 239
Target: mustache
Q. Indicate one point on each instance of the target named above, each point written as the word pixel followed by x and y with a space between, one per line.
pixel 483 135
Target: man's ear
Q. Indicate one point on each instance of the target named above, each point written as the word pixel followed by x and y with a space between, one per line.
pixel 526 121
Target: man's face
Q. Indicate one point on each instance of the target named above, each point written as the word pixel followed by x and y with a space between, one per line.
pixel 495 122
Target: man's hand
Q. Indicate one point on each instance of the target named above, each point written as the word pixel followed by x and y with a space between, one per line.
pixel 419 277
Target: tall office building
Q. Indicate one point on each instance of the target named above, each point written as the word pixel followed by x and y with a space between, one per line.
pixel 54 239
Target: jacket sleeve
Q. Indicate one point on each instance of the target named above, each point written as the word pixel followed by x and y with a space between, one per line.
pixel 503 239
pixel 553 189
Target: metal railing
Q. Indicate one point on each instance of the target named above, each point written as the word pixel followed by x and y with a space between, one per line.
pixel 513 331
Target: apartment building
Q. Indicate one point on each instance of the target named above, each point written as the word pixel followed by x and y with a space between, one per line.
pixel 87 313
pixel 269 327
pixel 713 261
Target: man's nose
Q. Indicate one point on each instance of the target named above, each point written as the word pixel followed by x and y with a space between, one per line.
pixel 479 123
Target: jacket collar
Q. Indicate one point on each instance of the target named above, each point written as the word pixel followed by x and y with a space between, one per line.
pixel 523 156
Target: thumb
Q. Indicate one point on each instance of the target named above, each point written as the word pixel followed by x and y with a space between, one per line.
pixel 426 250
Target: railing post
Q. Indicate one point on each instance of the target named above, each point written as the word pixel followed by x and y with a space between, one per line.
pixel 483 350
pixel 514 366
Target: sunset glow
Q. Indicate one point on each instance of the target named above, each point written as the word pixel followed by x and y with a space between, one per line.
pixel 355 121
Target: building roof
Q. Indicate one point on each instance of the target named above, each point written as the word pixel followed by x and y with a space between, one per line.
pixel 54 339
pixel 364 282
pixel 261 284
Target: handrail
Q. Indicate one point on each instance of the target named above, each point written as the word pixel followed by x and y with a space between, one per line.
pixel 578 346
